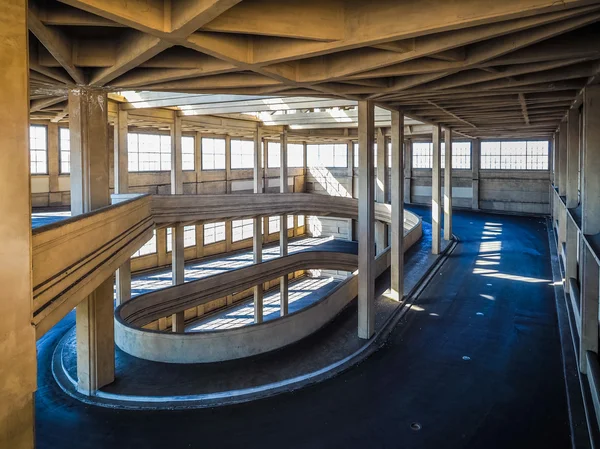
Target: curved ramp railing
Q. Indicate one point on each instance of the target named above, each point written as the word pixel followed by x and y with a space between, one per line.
pixel 73 257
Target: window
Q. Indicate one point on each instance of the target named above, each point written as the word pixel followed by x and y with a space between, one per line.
pixel 189 237
pixel 355 155
pixel 214 232
pixel 242 229
pixel 148 248
pixel 422 155
pixel 514 155
pixel 461 155
pixel 213 154
pixel 242 154
pixel 295 155
pixel 274 225
pixel 273 154
pixel 327 155
pixel 149 152
pixel 187 153
pixel 38 149
pixel 300 220
pixel 290 222
pixel 64 143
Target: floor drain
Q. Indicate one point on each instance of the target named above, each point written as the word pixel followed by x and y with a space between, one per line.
pixel 466 358
pixel 415 426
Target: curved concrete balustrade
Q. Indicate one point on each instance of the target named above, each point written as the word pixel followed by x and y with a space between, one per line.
pixel 73 257
pixel 221 345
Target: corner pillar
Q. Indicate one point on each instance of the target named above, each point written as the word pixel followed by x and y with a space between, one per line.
pixel 436 191
pixel 177 246
pixel 475 158
pixel 283 232
pixel 381 191
pixel 257 238
pixel 18 355
pixel 366 220
pixel 448 185
pixel 397 194
pixel 88 125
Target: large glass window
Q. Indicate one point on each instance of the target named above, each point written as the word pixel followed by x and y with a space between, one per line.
pixel 290 222
pixel 514 155
pixel 242 229
pixel 355 153
pixel 148 248
pixel 187 153
pixel 213 154
pixel 149 152
pixel 423 155
pixel 300 220
pixel 64 142
pixel 327 155
pixel 274 225
pixel 214 232
pixel 38 149
pixel 273 154
pixel 242 154
pixel 295 155
pixel 189 237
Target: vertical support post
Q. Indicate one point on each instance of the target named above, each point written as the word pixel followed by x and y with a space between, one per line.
pixel 54 195
pixel 572 157
pixel 366 220
pixel 283 233
pixel 228 163
pixel 88 124
pixel 436 191
pixel 475 163
pixel 571 262
pixel 121 176
pixel 397 191
pixel 590 199
pixel 177 246
pixel 257 239
pixel 380 227
pixel 448 185
pixel 18 356
pixel 562 159
pixel 407 170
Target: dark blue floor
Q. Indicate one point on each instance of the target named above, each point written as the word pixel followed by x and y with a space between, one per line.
pixel 476 364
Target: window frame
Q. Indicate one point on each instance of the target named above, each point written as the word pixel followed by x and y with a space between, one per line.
pixel 202 147
pixel 215 224
pixel 231 158
pixel 333 154
pixel 61 151
pixel 45 150
pixel 526 156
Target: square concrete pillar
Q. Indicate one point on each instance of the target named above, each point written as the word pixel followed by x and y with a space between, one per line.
pixel 407 170
pixel 121 180
pixel 381 233
pixel 177 256
pixel 572 158
pixel 475 163
pixel 448 185
pixel 88 125
pixel 397 191
pixel 257 238
pixel 436 191
pixel 18 351
pixel 283 233
pixel 562 159
pixel 366 220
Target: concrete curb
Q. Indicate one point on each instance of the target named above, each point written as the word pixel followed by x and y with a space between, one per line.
pixel 208 400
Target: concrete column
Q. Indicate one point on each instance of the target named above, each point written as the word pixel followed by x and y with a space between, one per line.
pixel 366 220
pixel 562 159
pixel 475 163
pixel 397 191
pixel 18 354
pixel 121 179
pixel 177 255
pixel 381 190
pixel 198 160
pixel 283 233
pixel 436 191
pixel 228 164
pixel 555 151
pixel 88 125
pixel 572 157
pixel 407 170
pixel 448 185
pixel 54 195
pixel 571 259
pixel 257 239
pixel 590 199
